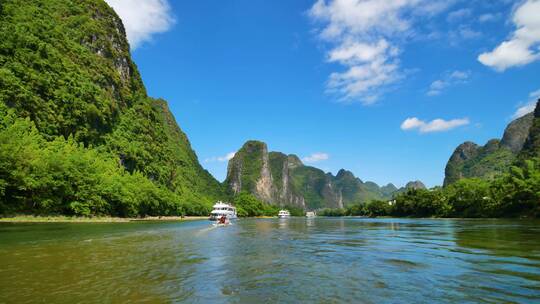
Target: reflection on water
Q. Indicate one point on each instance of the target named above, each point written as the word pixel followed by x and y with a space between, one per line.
pixel 292 260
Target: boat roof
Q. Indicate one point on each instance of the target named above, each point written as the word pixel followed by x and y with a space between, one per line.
pixel 221 205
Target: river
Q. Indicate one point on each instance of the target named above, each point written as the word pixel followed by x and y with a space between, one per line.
pixel 321 260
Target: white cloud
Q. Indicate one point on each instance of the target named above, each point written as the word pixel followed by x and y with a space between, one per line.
pixel 143 18
pixel 524 110
pixel 365 36
pixel 458 14
pixel 436 125
pixel 488 17
pixel 522 47
pixel 468 33
pixel 450 79
pixel 529 106
pixel 316 157
pixel 220 159
pixel 462 33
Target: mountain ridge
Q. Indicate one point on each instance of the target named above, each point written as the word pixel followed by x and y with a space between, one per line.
pixel 491 160
pixel 67 68
pixel 282 179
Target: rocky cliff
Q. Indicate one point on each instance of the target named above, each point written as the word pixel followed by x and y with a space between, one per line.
pixel 488 161
pixel 531 148
pixel 281 179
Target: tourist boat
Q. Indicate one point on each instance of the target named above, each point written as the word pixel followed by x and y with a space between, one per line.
pixel 221 209
pixel 310 214
pixel 284 214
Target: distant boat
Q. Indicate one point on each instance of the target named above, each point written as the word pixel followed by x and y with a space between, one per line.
pixel 310 214
pixel 284 214
pixel 221 209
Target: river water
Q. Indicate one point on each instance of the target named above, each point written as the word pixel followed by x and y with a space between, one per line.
pixel 321 260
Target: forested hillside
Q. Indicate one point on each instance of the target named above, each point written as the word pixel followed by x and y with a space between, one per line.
pixel 79 133
pixel 490 161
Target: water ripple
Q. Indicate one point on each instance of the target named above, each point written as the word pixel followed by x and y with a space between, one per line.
pixel 297 260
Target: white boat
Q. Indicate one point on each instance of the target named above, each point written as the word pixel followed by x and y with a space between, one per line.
pixel 284 214
pixel 310 214
pixel 221 209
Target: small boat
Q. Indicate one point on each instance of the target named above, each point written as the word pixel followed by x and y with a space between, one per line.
pixel 222 224
pixel 284 214
pixel 221 210
pixel 310 214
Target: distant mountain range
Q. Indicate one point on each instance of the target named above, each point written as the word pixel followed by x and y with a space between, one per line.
pixel 282 179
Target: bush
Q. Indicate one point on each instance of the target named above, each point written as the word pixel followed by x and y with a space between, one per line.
pixel 378 208
pixel 64 177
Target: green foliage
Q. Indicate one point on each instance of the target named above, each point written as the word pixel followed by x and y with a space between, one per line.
pixel 332 212
pixel 373 209
pixel 531 147
pixel 59 66
pixel 277 161
pixel 492 160
pixel 312 184
pixel 357 210
pixel 488 162
pixel 378 208
pixel 514 194
pixel 64 177
pixel 419 203
pixel 247 163
pixel 248 205
pixel 309 182
pixel 81 136
pixel 489 165
pixel 470 198
pixel 293 210
pixel 147 139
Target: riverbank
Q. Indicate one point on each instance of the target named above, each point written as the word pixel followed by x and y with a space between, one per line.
pixel 70 219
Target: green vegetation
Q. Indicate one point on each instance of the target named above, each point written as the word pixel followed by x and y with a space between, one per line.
pixel 67 67
pixel 248 205
pixel 531 148
pixel 79 135
pixel 514 194
pixel 245 168
pixel 486 162
pixel 277 161
pixel 61 176
pixel 309 183
pixel 490 161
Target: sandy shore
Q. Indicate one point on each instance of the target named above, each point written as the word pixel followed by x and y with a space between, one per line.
pixel 69 219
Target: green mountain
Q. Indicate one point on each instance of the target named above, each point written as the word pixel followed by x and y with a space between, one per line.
pixel 281 179
pixel 66 69
pixel 470 160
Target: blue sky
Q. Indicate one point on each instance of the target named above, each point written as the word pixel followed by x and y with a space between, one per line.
pixel 386 89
